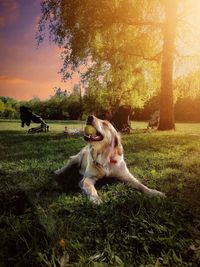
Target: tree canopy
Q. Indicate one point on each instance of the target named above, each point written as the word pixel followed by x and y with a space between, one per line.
pixel 124 45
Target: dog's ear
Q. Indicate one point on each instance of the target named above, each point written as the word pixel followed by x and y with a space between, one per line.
pixel 116 141
pixel 117 144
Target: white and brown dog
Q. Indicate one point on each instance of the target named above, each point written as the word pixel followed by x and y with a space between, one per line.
pixel 103 157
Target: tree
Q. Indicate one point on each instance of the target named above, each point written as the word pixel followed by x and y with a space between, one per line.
pixel 95 38
pixel 166 92
pixel 2 108
pixel 95 98
pixel 74 107
pixel 59 92
pixel 9 107
pixel 117 36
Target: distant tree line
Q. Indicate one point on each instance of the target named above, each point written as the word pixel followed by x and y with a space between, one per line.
pixel 74 106
pixel 186 109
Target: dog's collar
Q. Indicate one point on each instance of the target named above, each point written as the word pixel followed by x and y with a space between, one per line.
pixel 96 163
pixel 113 161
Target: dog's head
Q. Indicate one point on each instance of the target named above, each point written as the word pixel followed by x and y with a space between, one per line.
pixel 106 134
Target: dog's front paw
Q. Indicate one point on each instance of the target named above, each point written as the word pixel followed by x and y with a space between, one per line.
pixel 96 200
pixel 157 193
pixel 56 173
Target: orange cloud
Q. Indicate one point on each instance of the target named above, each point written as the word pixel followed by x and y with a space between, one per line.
pixel 22 89
pixel 6 78
pixel 26 71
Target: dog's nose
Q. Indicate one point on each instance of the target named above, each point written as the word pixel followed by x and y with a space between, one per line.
pixel 90 119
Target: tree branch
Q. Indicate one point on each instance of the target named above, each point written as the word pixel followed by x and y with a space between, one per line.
pixel 131 22
pixel 156 58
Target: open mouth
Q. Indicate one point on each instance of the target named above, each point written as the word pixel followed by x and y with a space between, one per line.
pixel 93 137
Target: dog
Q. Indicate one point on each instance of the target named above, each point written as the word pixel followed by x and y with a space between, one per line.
pixel 103 157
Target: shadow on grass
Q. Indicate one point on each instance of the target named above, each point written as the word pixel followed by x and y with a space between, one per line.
pixel 128 224
pixel 69 181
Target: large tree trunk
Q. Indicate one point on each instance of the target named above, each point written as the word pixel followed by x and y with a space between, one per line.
pixel 166 91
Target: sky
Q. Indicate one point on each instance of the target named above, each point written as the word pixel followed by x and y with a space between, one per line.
pixel 27 71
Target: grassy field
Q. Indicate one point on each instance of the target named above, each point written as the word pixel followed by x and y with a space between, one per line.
pixel 42 225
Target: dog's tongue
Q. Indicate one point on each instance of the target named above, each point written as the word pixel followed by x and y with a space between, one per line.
pixel 89 137
pixel 95 137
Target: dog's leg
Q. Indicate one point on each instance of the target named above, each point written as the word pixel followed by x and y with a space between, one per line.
pixel 125 176
pixel 87 185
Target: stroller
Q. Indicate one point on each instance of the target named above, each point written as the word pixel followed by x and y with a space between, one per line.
pixel 121 119
pixel 26 116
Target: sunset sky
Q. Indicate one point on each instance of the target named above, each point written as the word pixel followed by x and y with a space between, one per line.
pixel 28 71
pixel 25 70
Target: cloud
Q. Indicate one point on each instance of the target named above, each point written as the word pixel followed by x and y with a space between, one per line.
pixel 12 79
pixel 9 11
pixel 2 21
pixel 24 89
pixel 26 71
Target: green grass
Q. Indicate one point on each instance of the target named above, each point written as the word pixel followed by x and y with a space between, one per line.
pixel 128 229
